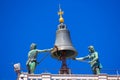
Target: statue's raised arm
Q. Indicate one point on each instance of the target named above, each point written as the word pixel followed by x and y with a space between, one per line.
pixel 44 50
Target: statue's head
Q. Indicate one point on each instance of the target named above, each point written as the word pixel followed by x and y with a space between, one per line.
pixel 91 49
pixel 33 46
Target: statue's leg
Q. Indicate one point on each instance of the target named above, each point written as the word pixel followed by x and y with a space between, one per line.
pixel 28 68
pixel 97 70
pixel 32 67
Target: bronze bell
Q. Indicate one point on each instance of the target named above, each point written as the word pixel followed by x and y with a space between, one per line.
pixel 63 43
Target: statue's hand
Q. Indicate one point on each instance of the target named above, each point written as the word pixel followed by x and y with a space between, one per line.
pixel 55 49
pixel 74 58
pixel 50 49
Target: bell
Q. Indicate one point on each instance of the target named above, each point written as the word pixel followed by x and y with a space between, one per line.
pixel 63 43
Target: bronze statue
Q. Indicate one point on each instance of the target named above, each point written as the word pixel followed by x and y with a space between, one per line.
pixel 94 60
pixel 32 57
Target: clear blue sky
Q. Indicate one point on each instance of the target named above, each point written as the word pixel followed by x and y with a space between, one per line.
pixel 91 22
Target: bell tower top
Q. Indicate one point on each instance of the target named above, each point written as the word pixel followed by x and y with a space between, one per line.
pixel 60 13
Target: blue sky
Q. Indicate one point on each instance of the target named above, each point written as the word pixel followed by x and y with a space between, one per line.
pixel 91 22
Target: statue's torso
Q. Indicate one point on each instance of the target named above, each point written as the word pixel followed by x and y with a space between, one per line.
pixel 92 57
pixel 32 55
